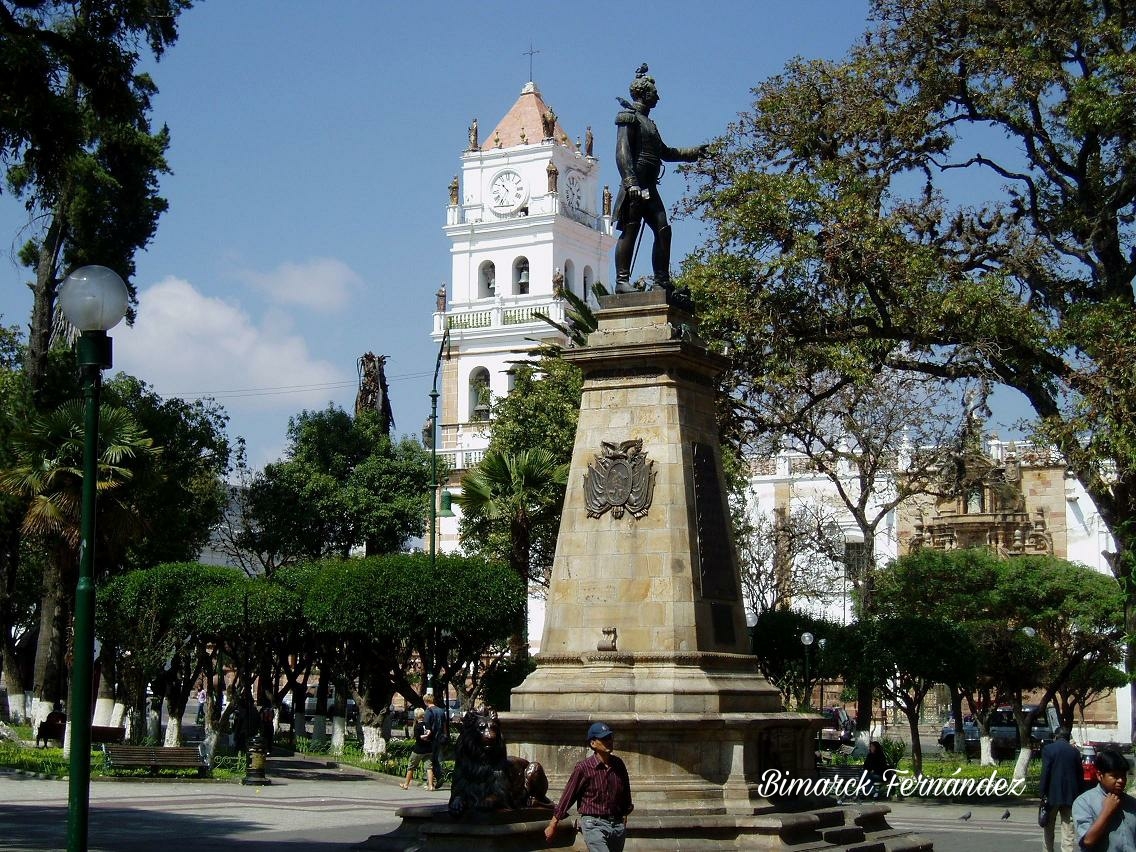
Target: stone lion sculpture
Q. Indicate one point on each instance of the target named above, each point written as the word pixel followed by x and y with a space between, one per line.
pixel 486 777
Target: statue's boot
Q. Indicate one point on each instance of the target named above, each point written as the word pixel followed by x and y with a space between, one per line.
pixel 624 254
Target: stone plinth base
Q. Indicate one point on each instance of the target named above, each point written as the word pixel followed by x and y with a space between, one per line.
pixel 697 731
pixel 826 829
pixel 688 763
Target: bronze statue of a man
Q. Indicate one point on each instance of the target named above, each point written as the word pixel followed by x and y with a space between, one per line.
pixel 639 154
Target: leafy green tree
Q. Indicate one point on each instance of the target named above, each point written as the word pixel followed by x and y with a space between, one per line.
pixel 180 492
pixel 17 597
pixel 833 222
pixel 776 642
pixel 371 616
pixel 1036 623
pixel 256 623
pixel 540 412
pixel 521 490
pixel 47 470
pixel 76 142
pixel 148 625
pixel 344 484
pixel 903 657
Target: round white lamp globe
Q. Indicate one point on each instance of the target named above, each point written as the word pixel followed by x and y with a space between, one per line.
pixel 94 298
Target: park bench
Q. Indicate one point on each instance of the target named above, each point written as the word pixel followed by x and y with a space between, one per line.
pixel 53 729
pixel 155 758
pixel 848 774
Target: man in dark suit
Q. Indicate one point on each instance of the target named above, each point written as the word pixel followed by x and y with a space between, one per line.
pixel 1061 776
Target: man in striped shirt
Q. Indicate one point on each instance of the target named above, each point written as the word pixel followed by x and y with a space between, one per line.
pixel 599 784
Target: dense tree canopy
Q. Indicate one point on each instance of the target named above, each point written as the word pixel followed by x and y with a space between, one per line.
pixel 1037 625
pixel 343 484
pixel 866 213
pixel 540 412
pixel 180 491
pixel 75 139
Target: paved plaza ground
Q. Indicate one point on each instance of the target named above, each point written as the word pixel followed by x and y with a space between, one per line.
pixel 308 806
pixel 313 807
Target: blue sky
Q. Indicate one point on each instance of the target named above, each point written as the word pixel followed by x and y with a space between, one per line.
pixel 312 146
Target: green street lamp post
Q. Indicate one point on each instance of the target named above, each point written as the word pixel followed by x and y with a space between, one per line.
pixel 94 299
pixel 446 512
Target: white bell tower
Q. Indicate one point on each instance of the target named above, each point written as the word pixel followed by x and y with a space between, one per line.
pixel 525 220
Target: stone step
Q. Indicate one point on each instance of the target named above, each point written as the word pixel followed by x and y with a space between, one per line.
pixel 430 829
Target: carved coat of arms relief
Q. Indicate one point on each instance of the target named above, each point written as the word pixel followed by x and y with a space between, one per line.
pixel 621 478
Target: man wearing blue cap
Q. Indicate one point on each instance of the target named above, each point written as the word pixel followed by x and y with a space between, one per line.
pixel 601 787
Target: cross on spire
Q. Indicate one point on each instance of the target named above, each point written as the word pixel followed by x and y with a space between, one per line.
pixel 530 53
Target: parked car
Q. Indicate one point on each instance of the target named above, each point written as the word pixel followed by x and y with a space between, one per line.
pixel 1004 738
pixel 971 738
pixel 839 728
pixel 352 710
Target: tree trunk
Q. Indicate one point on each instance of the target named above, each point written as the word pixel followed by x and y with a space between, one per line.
pixel 173 728
pixel 374 746
pixel 1023 762
pixel 9 657
pixel 338 734
pixel 104 703
pixel 912 714
pixel 45 290
pixel 13 678
pixel 985 750
pixel 319 721
pixel 49 647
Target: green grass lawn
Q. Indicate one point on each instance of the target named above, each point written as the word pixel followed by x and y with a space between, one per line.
pixel 52 763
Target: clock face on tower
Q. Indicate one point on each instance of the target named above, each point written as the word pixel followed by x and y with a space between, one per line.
pixel 574 190
pixel 507 192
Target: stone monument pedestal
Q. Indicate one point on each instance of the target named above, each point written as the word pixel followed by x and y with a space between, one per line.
pixel 645 627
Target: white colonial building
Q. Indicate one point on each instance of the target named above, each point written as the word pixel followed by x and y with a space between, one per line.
pixel 526 220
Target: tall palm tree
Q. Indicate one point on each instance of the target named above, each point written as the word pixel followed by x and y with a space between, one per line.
pixel 47 470
pixel 520 489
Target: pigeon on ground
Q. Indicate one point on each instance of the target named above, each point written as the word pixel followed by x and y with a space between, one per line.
pixel 1006 814
pixel 965 816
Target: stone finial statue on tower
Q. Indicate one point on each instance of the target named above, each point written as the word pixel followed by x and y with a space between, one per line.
pixel 639 154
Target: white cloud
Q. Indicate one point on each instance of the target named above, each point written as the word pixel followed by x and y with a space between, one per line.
pixel 322 283
pixel 188 344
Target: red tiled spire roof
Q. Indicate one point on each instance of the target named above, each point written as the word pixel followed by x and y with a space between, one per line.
pixel 524 115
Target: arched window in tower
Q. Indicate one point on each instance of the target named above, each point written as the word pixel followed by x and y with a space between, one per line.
pixel 479 394
pixel 521 276
pixel 586 283
pixel 569 276
pixel 486 280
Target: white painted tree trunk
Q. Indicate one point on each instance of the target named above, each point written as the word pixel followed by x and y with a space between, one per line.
pixel 104 709
pixel 374 746
pixel 209 746
pixel 67 740
pixel 153 721
pixel 319 732
pixel 338 734
pixel 40 709
pixel 1022 764
pixel 173 730
pixel 985 752
pixel 116 714
pixel 17 708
